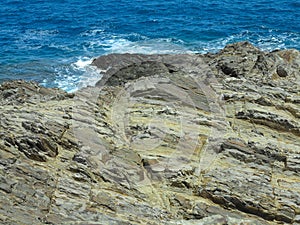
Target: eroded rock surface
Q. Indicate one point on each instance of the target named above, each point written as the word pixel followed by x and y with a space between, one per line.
pixel 161 139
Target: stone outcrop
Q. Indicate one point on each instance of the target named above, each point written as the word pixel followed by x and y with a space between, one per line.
pixel 161 139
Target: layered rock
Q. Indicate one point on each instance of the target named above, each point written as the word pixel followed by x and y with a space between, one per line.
pixel 161 139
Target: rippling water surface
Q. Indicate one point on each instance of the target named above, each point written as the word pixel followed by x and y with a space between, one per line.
pixel 53 42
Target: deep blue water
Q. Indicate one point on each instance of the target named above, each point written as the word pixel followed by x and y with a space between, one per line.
pixel 52 42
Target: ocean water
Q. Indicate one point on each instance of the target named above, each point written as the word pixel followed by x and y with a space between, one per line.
pixel 53 42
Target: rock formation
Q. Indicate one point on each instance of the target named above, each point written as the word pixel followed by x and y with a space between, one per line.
pixel 161 139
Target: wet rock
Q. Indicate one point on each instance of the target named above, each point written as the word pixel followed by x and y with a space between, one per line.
pixel 135 71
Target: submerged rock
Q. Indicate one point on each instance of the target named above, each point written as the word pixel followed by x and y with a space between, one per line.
pixel 161 139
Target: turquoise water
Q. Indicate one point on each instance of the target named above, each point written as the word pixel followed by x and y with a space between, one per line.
pixel 53 42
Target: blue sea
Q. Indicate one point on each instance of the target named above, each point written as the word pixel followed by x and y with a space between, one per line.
pixel 53 42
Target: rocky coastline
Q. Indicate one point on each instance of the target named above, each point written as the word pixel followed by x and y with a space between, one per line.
pixel 161 139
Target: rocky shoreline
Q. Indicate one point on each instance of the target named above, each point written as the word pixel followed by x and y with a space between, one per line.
pixel 160 139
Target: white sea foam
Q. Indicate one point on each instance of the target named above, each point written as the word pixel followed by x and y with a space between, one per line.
pixel 82 63
pixel 90 74
pixel 116 44
pixel 264 42
pixel 77 75
pixel 156 46
pixel 80 73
